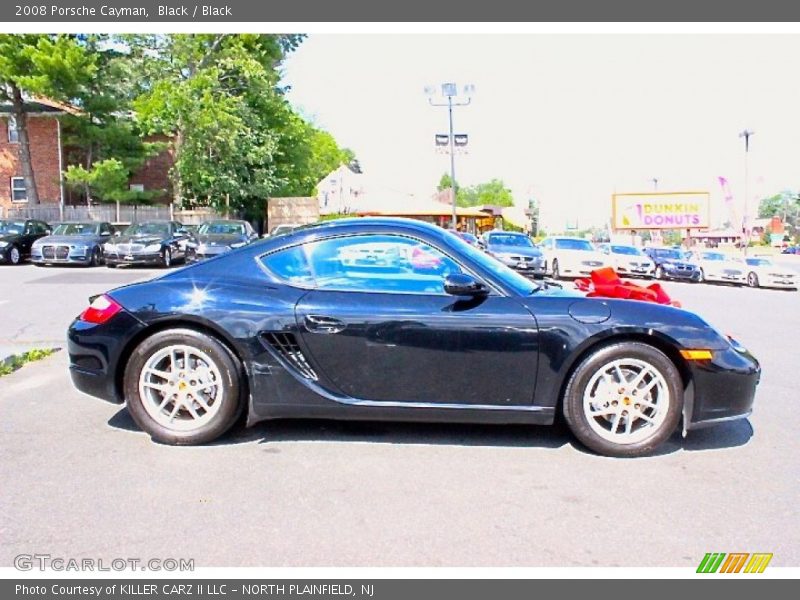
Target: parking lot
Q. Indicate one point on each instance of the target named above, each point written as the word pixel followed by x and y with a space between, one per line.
pixel 79 479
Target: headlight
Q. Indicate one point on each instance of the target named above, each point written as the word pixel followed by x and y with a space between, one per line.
pixel 238 244
pixel 153 248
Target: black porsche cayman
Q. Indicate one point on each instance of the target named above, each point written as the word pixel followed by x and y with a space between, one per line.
pixel 396 319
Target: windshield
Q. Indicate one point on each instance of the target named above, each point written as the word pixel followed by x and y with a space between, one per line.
pixel 570 244
pixel 221 228
pixel 514 280
pixel 628 250
pixel 758 262
pixel 148 229
pixel 12 227
pixel 507 239
pixel 712 256
pixel 77 229
pixel 669 254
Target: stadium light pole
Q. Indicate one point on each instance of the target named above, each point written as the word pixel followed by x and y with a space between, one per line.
pixel 450 91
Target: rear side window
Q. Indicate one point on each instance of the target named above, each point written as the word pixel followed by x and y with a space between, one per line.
pixel 291 266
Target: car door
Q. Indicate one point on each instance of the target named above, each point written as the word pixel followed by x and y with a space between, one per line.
pixel 29 235
pixel 378 326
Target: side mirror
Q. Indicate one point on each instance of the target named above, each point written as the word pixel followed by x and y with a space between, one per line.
pixel 462 284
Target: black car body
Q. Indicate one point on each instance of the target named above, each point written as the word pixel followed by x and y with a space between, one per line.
pixel 672 263
pixel 78 243
pixel 17 237
pixel 515 250
pixel 300 326
pixel 156 243
pixel 213 238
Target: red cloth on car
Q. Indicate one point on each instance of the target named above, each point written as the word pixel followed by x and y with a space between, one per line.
pixel 605 283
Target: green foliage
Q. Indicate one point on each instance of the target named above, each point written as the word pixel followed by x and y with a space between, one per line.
pixel 509 226
pixel 17 361
pixel 107 180
pixel 493 193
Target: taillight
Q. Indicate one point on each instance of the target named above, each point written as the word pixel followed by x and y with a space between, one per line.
pixel 100 310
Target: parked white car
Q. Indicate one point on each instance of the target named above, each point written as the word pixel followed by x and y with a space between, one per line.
pixel 763 272
pixel 716 266
pixel 571 257
pixel 628 260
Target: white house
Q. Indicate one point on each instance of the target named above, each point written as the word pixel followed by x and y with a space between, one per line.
pixel 340 191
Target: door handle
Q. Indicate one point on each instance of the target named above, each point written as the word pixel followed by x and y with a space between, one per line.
pixel 321 324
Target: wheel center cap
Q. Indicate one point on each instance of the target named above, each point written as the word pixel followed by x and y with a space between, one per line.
pixel 182 386
pixel 626 401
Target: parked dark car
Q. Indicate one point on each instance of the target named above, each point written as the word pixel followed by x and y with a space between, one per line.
pixel 471 239
pixel 217 237
pixel 289 328
pixel 791 250
pixel 72 243
pixel 150 243
pixel 17 236
pixel 671 263
pixel 515 250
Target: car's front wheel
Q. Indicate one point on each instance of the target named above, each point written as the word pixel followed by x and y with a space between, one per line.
pixel 14 256
pixel 556 271
pixel 752 280
pixel 183 387
pixel 659 273
pixel 624 399
pixel 166 258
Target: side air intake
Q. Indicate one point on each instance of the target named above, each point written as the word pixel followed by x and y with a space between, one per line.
pixel 285 344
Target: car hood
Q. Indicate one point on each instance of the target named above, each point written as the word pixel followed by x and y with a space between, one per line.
pixel 515 250
pixel 219 239
pixel 9 237
pixel 582 255
pixel 137 239
pixel 723 264
pixel 632 258
pixel 75 240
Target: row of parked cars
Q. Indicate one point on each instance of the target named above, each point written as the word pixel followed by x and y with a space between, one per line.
pixel 90 243
pixel 569 257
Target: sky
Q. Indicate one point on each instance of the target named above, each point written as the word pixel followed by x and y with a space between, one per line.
pixel 568 119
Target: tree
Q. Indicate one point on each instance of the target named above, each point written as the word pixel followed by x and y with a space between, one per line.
pixel 218 97
pixel 108 180
pixel 56 66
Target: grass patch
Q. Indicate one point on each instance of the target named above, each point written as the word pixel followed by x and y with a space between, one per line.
pixel 13 363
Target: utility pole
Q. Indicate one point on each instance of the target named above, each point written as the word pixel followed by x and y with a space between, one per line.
pixel 450 90
pixel 746 134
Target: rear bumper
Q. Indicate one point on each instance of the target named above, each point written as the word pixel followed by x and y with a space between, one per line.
pixel 96 352
pixel 724 388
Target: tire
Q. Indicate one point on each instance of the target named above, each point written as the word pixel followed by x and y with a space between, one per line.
pixel 95 260
pixel 556 273
pixel 166 258
pixel 111 265
pixel 702 277
pixel 201 415
pixel 586 393
pixel 752 280
pixel 14 256
pixel 659 273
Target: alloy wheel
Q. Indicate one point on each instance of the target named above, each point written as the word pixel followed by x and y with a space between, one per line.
pixel 181 388
pixel 752 280
pixel 626 401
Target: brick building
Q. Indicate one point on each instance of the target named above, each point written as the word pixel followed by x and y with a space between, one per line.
pixel 44 133
pixel 50 158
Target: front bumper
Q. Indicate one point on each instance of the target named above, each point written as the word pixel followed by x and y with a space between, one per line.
pixel 635 271
pixel 204 252
pixel 680 274
pixel 785 283
pixel 135 259
pixel 723 388
pixel 739 279
pixel 73 257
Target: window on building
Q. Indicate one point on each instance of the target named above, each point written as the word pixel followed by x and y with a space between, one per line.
pixel 13 132
pixel 18 191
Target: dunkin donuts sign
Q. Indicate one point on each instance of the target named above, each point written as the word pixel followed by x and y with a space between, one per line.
pixel 667 210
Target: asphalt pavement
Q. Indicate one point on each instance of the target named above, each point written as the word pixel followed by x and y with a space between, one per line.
pixel 80 480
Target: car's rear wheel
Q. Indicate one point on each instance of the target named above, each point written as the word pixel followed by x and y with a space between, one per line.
pixel 659 273
pixel 752 280
pixel 624 399
pixel 166 258
pixel 702 277
pixel 14 256
pixel 183 387
pixel 556 272
pixel 95 260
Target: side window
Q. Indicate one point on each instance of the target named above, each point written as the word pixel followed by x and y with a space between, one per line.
pixel 379 263
pixel 290 265
pixel 41 227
